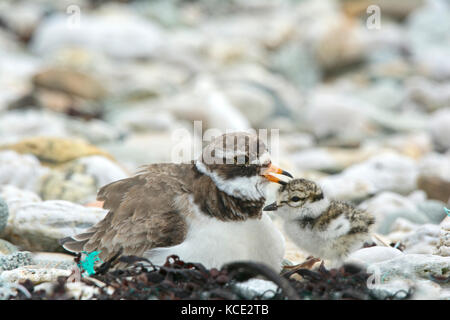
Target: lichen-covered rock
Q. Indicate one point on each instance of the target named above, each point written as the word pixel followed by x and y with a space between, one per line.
pixel 4 212
pixel 38 226
pixel 79 180
pixel 20 170
pixel 71 186
pixel 54 151
pixel 15 260
pixel 414 266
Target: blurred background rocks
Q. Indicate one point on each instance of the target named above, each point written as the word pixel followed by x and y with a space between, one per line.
pixel 364 112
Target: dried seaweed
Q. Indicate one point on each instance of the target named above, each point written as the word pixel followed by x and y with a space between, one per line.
pixel 176 279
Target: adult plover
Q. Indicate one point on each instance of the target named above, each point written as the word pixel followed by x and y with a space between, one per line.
pixel 208 211
pixel 328 229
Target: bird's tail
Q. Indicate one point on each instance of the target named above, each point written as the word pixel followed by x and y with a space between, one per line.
pixel 76 243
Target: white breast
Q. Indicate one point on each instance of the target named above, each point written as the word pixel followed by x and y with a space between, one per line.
pixel 213 242
pixel 319 243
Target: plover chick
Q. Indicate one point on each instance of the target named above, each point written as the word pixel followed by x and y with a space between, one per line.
pixel 328 229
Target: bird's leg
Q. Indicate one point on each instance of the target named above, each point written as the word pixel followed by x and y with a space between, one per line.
pixel 307 264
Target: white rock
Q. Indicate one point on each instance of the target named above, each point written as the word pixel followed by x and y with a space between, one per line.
pixel 340 43
pixel 422 240
pixel 430 46
pixel 332 159
pixel 38 226
pixel 206 102
pixel 436 164
pixel 385 172
pixel 389 206
pixel 338 109
pixel 443 246
pixel 430 95
pixel 102 169
pixel 16 125
pixel 367 256
pixel 414 266
pixel 256 287
pixel 81 291
pixel 76 290
pixel 21 171
pixel 119 34
pixel 36 275
pixel 420 289
pixel 53 260
pixel 439 127
pixel 15 197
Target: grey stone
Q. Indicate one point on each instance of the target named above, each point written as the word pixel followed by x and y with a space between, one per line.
pixel 15 260
pixel 4 212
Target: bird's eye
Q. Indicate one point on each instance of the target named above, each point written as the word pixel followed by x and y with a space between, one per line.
pixel 295 199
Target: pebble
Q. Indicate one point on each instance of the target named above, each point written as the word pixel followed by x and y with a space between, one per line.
pixel 38 226
pixel 414 266
pixel 4 212
pixel 255 287
pixel 439 127
pixel 23 171
pixel 35 275
pixel 7 248
pixel 71 82
pixel 367 256
pixel 15 260
pixel 389 206
pixel 134 37
pixel 384 172
pixel 443 246
pixel 79 180
pixel 54 151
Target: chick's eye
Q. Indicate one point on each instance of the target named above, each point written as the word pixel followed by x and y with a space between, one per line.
pixel 295 199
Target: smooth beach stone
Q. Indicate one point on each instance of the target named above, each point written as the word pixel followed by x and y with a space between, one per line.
pixel 53 151
pixel 7 248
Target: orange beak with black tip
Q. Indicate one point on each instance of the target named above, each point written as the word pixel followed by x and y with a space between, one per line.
pixel 275 169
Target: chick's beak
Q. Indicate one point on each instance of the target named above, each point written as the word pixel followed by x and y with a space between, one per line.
pixel 271 207
pixel 275 169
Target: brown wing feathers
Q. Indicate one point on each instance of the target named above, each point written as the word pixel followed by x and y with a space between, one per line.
pixel 140 217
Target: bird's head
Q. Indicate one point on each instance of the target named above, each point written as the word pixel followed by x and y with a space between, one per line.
pixel 300 198
pixel 239 164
